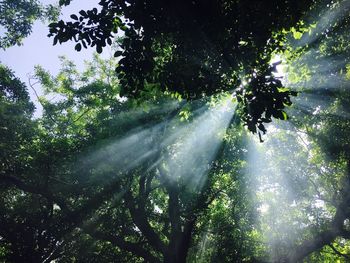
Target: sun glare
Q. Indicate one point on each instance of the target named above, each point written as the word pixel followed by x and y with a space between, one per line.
pixel 280 66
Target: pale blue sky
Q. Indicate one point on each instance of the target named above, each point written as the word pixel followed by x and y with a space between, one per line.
pixel 37 49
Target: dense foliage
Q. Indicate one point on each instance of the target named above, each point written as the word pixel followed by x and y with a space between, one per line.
pixel 17 18
pixel 155 164
pixel 195 48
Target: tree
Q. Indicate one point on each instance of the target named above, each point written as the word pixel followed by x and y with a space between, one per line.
pixel 155 178
pixel 17 18
pixel 195 49
pixel 318 56
pixel 33 152
pixel 77 191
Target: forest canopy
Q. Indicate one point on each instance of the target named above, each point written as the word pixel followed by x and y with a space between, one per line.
pixel 193 48
pixel 152 155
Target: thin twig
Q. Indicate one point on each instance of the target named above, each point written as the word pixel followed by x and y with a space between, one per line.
pixel 81 115
pixel 38 97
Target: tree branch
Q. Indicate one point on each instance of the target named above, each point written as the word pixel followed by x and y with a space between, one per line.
pixel 338 252
pixel 12 180
pixel 138 215
pixel 38 98
pixel 134 248
pixel 326 237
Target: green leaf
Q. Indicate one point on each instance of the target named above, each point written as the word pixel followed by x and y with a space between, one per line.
pixel 78 47
pixel 99 49
pixel 297 34
pixel 64 2
pixel 118 53
pixel 83 13
pixel 285 116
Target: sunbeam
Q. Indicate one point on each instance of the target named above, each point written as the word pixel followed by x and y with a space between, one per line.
pixel 125 153
pixel 288 188
pixel 190 156
pixel 199 131
pixel 335 12
pixel 184 149
pixel 136 146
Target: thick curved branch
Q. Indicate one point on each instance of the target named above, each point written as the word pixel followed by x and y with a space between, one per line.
pixel 133 248
pixel 139 217
pixel 12 180
pixel 335 229
pixel 312 245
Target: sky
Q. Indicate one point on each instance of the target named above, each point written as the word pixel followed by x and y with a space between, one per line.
pixel 37 49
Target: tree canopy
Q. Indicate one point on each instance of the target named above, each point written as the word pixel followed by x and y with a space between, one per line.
pixel 149 157
pixel 17 18
pixel 195 48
